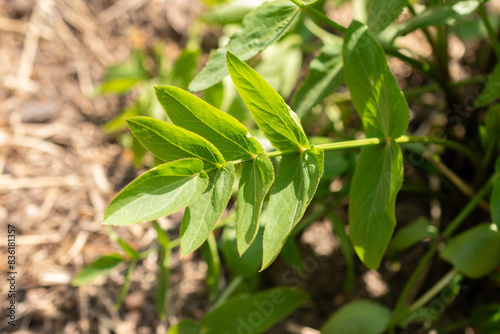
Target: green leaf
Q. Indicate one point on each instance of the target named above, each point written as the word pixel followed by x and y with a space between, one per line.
pixel 185 67
pixel 122 77
pixel 374 89
pixel 128 249
pixel 158 192
pixel 257 176
pixel 412 233
pixel 490 132
pixel 232 12
pixel 485 315
pixel 162 237
pixel 278 123
pixel 291 254
pixel 247 264
pixel 375 184
pixel 362 316
pixel 475 252
pixel 212 259
pixel 296 182
pixel 282 75
pixel 214 95
pixel 169 142
pixel 118 123
pixel 325 74
pixel 491 91
pixel 186 326
pixel 261 27
pixel 100 267
pixel 201 216
pixel 445 13
pixel 253 314
pixel 383 13
pixel 224 131
pixel 495 196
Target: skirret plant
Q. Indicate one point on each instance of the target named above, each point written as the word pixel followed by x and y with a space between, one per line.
pixel 208 153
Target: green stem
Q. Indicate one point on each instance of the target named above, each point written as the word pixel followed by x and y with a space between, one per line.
pixel 319 15
pixel 421 66
pixel 342 97
pixel 489 28
pixel 235 283
pixel 446 143
pixel 399 311
pixel 174 243
pixel 440 285
pixel 126 284
pixel 469 207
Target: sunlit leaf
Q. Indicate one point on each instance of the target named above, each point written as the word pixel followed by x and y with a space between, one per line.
pixel 257 177
pixel 224 131
pixel 374 90
pixel 261 27
pixel 201 216
pixel 375 184
pixel 296 182
pixel 158 192
pixel 100 267
pixel 170 142
pixel 278 123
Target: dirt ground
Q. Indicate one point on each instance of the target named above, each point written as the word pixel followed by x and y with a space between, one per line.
pixel 58 171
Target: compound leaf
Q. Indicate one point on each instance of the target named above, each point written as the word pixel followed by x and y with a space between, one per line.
pixel 375 184
pixel 201 216
pixel 253 314
pixel 224 131
pixel 257 176
pixel 278 123
pixel 261 27
pixel 170 142
pixel 325 74
pixel 100 267
pixel 296 182
pixel 160 191
pixel 383 13
pixel 374 89
pixel 475 252
pixel 362 316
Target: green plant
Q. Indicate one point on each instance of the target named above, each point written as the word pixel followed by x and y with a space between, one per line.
pixel 206 150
